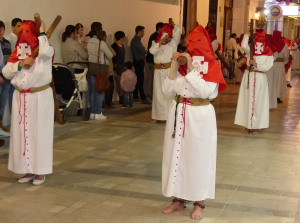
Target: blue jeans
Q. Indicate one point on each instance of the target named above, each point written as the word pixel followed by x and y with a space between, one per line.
pixel 4 95
pixel 96 98
pixel 127 100
pixel 10 96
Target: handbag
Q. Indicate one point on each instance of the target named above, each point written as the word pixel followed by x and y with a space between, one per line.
pixel 101 72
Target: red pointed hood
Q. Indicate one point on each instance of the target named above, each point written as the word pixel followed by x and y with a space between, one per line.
pixel 200 49
pixel 260 46
pixel 26 43
pixel 269 43
pixel 167 29
pixel 286 40
pixel 277 41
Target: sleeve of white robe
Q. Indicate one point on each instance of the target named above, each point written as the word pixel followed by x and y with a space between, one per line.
pixel 168 87
pixel 264 63
pixel 154 49
pixel 45 50
pixel 286 54
pixel 176 36
pixel 202 88
pixel 10 70
pixel 245 44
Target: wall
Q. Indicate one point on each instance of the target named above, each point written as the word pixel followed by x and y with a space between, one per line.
pixel 240 16
pixel 202 12
pixel 113 14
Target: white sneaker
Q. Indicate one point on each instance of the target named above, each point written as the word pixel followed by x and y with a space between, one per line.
pixel 92 116
pixel 26 179
pixel 4 134
pixel 38 182
pixel 100 117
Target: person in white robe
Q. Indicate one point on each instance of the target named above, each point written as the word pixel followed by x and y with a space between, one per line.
pixel 163 49
pixel 279 68
pixel 253 101
pixel 295 52
pixel 272 81
pixel 31 144
pixel 191 133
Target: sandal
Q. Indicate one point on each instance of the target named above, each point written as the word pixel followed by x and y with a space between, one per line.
pixel 181 201
pixel 202 206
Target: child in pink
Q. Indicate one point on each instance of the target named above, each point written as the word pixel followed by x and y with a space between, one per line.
pixel 128 82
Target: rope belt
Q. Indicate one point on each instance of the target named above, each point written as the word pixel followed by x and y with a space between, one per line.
pixel 33 89
pixel 279 60
pixel 22 91
pixel 161 66
pixel 253 70
pixel 185 102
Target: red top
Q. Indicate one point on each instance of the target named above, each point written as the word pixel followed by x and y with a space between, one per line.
pixel 260 46
pixel 167 28
pixel 199 44
pixel 26 43
pixel 277 41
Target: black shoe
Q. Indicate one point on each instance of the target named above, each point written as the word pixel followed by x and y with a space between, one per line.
pixel 145 101
pixel 289 85
pixel 279 101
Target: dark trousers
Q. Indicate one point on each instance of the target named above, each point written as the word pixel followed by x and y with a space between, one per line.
pixel 110 91
pixel 127 98
pixel 139 71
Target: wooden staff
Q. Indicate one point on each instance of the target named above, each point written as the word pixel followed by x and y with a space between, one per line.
pixel 251 42
pixel 37 19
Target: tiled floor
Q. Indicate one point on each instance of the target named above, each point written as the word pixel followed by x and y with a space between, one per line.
pixel 110 171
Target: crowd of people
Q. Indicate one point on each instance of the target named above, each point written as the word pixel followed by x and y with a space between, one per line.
pixel 184 77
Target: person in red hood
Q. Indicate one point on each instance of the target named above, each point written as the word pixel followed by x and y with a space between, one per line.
pixel 279 70
pixel 295 52
pixel 162 50
pixel 272 81
pixel 31 144
pixel 190 143
pixel 288 65
pixel 253 102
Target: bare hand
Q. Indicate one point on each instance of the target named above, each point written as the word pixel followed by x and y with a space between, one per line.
pixel 189 61
pixel 175 56
pixel 42 27
pixel 165 40
pixel 27 62
pixel 252 62
pixel 1 80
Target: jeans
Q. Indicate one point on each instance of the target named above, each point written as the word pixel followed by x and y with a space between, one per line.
pixel 4 95
pixel 96 98
pixel 127 98
pixel 139 71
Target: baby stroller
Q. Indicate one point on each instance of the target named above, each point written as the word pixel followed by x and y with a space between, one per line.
pixel 67 82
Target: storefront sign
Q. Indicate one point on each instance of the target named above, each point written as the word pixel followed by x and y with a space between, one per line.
pixel 275 12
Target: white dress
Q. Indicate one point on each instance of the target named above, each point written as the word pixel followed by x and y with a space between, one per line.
pixel 295 52
pixel 32 115
pixel 272 84
pixel 253 102
pixel 279 72
pixel 189 162
pixel 162 54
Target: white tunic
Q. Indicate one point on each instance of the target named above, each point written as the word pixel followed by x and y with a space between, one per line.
pixel 295 52
pixel 279 72
pixel 189 162
pixel 32 115
pixel 162 54
pixel 272 84
pixel 253 102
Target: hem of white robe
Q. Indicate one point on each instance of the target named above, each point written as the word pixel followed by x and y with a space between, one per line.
pixel 253 126
pixel 39 172
pixel 202 198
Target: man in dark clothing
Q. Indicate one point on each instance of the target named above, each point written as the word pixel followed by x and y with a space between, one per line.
pixel 118 61
pixel 149 67
pixel 139 54
pixel 4 87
